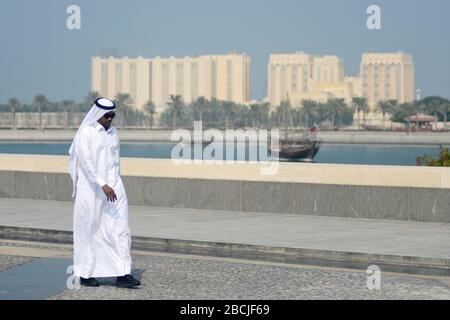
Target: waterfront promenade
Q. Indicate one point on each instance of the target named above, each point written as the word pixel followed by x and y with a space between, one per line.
pixel 275 230
pixel 209 254
pixel 415 247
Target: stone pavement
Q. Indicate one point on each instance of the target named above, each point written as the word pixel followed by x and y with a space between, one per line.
pixel 254 234
pixel 184 277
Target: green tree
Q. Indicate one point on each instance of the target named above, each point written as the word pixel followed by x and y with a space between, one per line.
pixel 404 110
pixel 67 106
pixel 335 109
pixel 215 112
pixel 150 111
pixel 199 108
pixel 254 114
pixel 40 102
pixel 89 100
pixel 443 160
pixel 263 114
pixel 386 107
pixel 13 105
pixel 123 104
pixel 360 105
pixel 311 112
pixel 177 107
pixel 437 107
pixel 230 110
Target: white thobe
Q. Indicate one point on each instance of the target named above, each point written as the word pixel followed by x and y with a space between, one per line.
pixel 101 233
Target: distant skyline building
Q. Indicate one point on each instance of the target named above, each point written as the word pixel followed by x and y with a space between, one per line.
pixel 328 69
pixel 111 76
pixel 302 76
pixel 289 74
pixel 298 76
pixel 387 76
pixel 223 77
pixel 355 85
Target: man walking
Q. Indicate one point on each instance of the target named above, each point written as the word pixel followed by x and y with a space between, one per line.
pixel 100 221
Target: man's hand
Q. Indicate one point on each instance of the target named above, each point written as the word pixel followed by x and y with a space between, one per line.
pixel 109 192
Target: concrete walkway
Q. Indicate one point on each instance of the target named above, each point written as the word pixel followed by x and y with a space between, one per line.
pixel 413 244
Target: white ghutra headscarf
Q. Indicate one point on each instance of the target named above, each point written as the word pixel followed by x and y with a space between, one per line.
pixel 98 110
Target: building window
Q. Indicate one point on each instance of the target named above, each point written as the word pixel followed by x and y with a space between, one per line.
pixel 104 79
pixel 118 77
pixel 194 80
pixel 229 80
pixel 283 83
pixel 293 78
pixel 165 83
pixel 180 78
pixel 133 81
pixel 213 79
pixel 272 83
pixel 305 78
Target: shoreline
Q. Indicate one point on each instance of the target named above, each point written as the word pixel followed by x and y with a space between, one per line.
pixel 161 136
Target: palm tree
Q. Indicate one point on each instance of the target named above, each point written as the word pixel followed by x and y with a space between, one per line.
pixel 386 107
pixel 230 109
pixel 88 101
pixel 254 113
pixel 214 112
pixel 40 102
pixel 67 106
pixel 333 109
pixel 263 114
pixel 360 105
pixel 91 97
pixel 13 105
pixel 177 106
pixel 123 103
pixel 150 110
pixel 436 106
pixel 310 109
pixel 200 107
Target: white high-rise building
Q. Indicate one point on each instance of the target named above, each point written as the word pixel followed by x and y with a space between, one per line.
pixel 224 77
pixel 300 74
pixel 355 84
pixel 387 76
pixel 288 74
pixel 328 69
pixel 111 76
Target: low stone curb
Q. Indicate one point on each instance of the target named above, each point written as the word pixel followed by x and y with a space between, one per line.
pixel 328 258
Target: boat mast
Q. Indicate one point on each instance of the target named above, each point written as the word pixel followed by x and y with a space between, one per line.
pixel 287 115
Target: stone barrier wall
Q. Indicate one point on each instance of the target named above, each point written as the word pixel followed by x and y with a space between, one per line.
pixel 353 201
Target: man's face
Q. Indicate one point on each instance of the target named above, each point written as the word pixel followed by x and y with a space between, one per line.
pixel 107 119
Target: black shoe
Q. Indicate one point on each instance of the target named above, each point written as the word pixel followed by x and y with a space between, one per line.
pixel 91 282
pixel 127 281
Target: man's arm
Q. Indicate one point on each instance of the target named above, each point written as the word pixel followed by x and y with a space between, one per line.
pixel 87 163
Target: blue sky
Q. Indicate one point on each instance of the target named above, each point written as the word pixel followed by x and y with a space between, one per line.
pixel 38 54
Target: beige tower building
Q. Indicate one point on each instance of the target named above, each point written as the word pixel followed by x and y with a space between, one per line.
pixel 289 74
pixel 355 85
pixel 111 76
pixel 304 76
pixel 387 76
pixel 328 69
pixel 224 77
